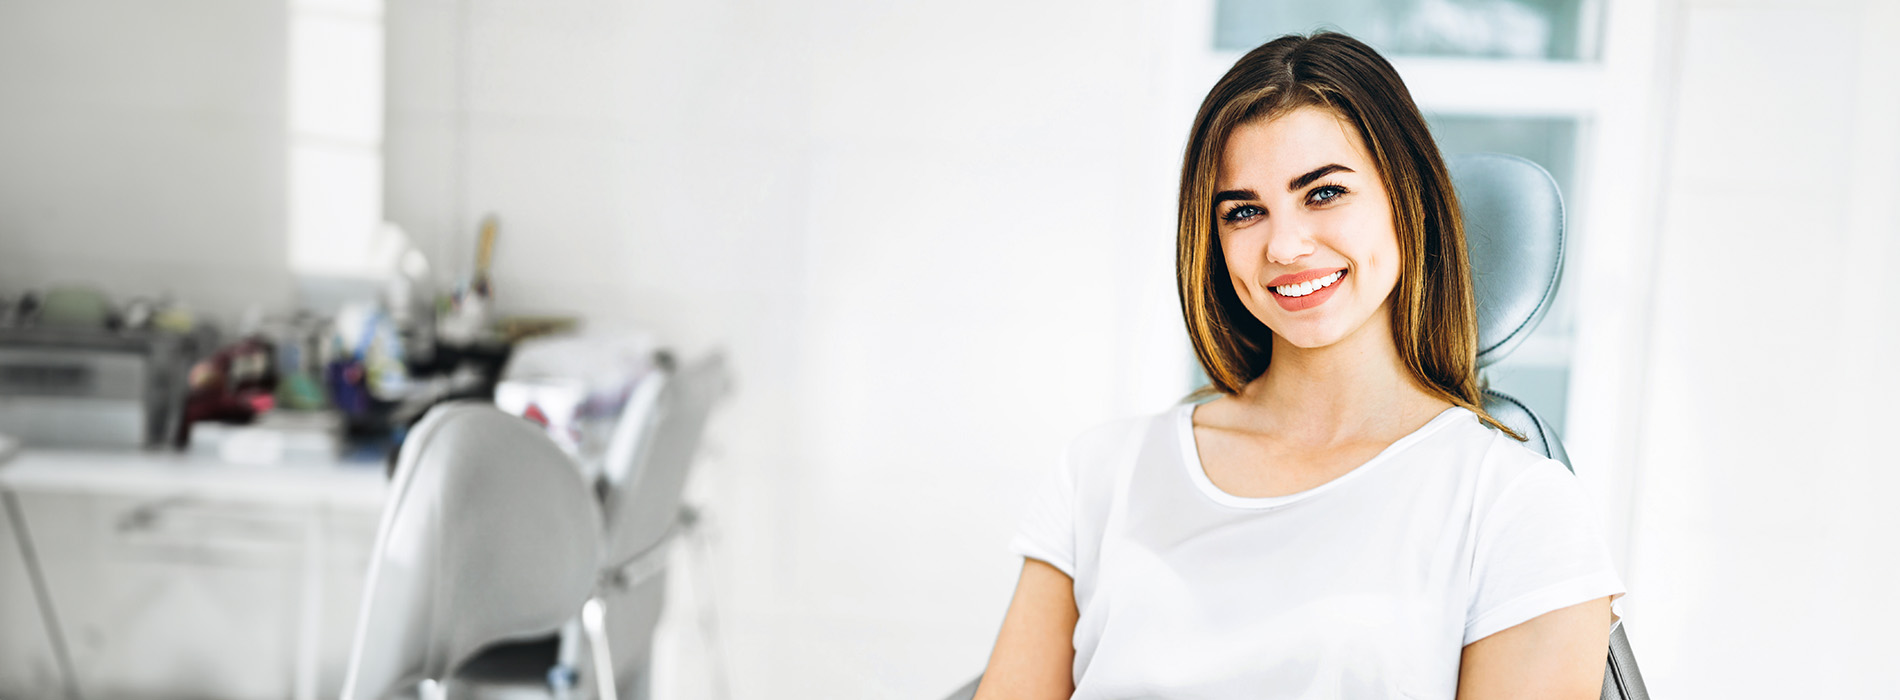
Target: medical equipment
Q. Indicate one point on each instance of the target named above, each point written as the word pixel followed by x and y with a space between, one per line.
pixel 74 387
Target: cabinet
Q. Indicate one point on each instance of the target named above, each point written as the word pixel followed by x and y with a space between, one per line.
pixel 164 575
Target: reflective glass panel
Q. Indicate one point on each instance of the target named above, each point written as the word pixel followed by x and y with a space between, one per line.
pixel 1547 141
pixel 1543 388
pixel 1559 30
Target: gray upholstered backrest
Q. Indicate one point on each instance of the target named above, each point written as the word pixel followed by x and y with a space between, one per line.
pixel 1514 237
pixel 1539 436
pixel 489 534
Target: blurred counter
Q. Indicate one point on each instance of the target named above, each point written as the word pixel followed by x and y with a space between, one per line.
pixel 337 484
pixel 161 574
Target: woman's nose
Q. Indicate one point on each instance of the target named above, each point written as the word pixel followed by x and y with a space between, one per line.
pixel 1288 239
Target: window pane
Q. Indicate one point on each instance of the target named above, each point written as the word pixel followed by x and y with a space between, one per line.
pixel 1547 141
pixel 336 79
pixel 335 75
pixel 1543 388
pixel 1560 30
pixel 336 205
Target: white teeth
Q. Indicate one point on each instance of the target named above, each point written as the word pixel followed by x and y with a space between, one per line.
pixel 1309 286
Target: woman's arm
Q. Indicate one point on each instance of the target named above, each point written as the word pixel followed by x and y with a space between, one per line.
pixel 1559 654
pixel 1035 652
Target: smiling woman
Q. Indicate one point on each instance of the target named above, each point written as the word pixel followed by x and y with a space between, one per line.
pixel 1343 519
pixel 1356 238
pixel 1348 116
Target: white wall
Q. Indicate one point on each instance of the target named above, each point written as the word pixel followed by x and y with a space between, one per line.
pixel 987 253
pixel 142 149
pixel 1762 555
pixel 931 237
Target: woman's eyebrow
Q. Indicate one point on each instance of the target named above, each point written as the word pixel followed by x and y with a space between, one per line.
pixel 1235 194
pixel 1317 173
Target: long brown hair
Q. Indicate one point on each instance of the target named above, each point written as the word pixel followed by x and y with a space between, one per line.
pixel 1434 319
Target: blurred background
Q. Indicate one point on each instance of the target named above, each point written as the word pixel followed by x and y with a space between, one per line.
pixel 934 242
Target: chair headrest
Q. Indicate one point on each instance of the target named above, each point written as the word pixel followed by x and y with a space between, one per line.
pixel 1514 236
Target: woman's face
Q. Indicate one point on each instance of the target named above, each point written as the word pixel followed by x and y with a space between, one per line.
pixel 1306 227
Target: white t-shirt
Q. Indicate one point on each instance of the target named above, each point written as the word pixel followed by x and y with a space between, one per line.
pixel 1367 586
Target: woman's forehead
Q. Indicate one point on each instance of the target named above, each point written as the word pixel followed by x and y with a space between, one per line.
pixel 1262 152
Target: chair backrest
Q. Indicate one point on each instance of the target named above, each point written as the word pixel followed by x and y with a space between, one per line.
pixel 1514 239
pixel 643 498
pixel 644 477
pixel 488 534
pixel 635 424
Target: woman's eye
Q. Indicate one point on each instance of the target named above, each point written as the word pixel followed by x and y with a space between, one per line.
pixel 1242 213
pixel 1325 194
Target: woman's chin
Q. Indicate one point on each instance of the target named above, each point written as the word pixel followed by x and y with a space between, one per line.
pixel 1308 338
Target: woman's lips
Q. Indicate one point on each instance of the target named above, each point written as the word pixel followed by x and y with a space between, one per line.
pixel 1301 303
pixel 1303 276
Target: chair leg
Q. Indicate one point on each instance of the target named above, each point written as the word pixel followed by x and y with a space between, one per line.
pixel 594 624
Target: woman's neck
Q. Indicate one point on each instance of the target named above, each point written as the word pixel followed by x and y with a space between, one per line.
pixel 1355 389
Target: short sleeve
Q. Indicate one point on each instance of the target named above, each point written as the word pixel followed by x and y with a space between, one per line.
pixel 1539 548
pixel 1047 530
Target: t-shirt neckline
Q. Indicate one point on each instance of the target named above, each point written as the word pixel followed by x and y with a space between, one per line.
pixel 1191 461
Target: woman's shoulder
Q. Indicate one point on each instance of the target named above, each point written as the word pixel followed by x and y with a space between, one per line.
pixel 1504 462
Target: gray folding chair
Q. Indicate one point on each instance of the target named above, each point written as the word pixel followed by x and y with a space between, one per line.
pixel 489 534
pixel 643 479
pixel 642 501
pixel 1514 231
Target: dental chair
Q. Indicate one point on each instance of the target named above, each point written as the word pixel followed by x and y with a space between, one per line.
pixel 489 534
pixel 1514 236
